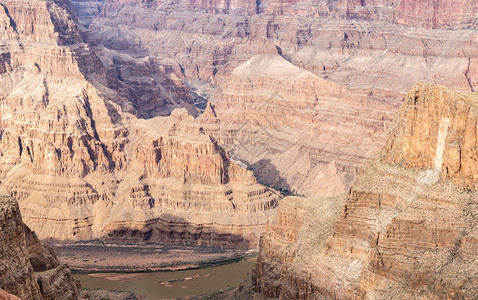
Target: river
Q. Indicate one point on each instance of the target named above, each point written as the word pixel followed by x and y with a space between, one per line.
pixel 171 284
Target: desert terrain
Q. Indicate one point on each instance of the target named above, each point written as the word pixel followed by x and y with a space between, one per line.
pixel 337 140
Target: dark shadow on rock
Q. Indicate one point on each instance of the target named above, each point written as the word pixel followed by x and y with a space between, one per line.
pixel 267 174
pixel 174 230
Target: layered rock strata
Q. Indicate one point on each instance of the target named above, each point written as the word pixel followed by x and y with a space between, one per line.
pixel 291 241
pixel 408 227
pixel 29 269
pixel 367 47
pixel 428 13
pixel 81 162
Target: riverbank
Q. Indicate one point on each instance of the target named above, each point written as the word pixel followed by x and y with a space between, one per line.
pixel 172 284
pixel 96 257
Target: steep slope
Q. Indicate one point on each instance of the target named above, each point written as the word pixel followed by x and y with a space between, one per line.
pixel 367 47
pixel 83 165
pixel 28 269
pixel 272 107
pixel 291 242
pixel 6 296
pixel 408 227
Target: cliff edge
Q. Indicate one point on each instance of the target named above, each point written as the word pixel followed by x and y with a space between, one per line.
pixel 29 269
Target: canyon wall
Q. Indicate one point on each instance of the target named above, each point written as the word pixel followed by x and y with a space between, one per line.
pixel 28 269
pixel 290 245
pixel 408 226
pixel 429 13
pixel 86 160
pixel 372 51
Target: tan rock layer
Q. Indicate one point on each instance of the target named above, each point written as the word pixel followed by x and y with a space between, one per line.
pixel 446 139
pixel 271 106
pixel 294 237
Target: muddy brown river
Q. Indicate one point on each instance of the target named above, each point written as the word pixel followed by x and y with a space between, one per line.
pixel 164 285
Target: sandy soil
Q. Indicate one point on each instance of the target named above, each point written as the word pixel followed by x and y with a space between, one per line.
pixel 98 257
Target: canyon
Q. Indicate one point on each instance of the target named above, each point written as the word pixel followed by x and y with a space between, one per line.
pixel 349 66
pixel 84 163
pixel 233 124
pixel 407 229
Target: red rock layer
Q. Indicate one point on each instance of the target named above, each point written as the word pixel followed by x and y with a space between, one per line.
pixel 404 232
pixel 429 13
pixel 437 14
pixel 6 296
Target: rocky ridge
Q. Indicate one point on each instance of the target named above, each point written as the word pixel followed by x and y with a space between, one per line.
pixel 82 162
pixel 29 269
pixel 407 229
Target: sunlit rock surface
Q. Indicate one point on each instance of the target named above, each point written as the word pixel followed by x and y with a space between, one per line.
pixel 86 160
pixel 408 226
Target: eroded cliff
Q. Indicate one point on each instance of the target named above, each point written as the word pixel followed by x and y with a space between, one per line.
pixel 28 269
pixel 408 226
pixel 428 13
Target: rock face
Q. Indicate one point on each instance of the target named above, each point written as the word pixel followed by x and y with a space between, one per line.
pixel 291 242
pixel 6 296
pixel 364 49
pixel 83 163
pixel 408 227
pixel 28 269
pixel 446 141
pixel 428 13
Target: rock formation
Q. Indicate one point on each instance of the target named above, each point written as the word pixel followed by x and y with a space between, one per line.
pixel 408 226
pixel 297 116
pixel 367 47
pixel 428 13
pixel 446 141
pixel 6 296
pixel 81 161
pixel 29 269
